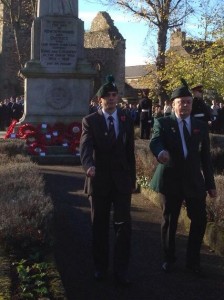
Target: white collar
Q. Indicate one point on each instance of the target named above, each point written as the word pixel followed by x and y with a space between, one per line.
pixel 188 120
pixel 106 115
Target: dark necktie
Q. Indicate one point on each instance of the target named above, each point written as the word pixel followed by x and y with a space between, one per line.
pixel 187 136
pixel 111 131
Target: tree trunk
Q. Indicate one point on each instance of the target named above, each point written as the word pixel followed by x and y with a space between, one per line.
pixel 160 61
pixel 15 27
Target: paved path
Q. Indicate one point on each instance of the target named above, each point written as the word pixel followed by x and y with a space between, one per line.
pixel 73 250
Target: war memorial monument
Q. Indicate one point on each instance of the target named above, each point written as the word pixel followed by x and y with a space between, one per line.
pixel 58 78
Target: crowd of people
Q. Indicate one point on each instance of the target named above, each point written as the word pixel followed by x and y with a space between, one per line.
pixel 10 109
pixel 145 111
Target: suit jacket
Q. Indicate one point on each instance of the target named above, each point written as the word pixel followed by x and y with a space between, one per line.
pixel 115 164
pixel 186 177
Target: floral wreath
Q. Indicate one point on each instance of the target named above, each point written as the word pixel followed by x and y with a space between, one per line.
pixel 25 130
pixel 75 129
pixel 58 128
pixel 10 129
pixel 43 128
pixel 36 149
pixel 74 146
pixel 32 137
pixel 43 135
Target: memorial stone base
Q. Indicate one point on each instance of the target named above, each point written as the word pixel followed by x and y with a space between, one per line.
pixel 55 100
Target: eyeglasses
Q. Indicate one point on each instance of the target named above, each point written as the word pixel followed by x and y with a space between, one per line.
pixel 184 102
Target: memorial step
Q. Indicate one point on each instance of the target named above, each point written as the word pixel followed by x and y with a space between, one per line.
pixel 56 160
pixel 57 155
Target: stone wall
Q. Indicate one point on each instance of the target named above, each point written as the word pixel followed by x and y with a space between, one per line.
pixel 105 49
pixel 177 38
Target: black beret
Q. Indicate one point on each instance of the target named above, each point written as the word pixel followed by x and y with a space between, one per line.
pixel 181 91
pixel 109 86
pixel 197 87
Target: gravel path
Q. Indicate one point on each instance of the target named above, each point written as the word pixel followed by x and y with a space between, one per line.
pixel 73 250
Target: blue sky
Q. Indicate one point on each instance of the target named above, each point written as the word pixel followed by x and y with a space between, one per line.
pixel 134 32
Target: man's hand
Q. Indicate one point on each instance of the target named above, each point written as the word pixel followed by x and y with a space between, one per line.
pixel 212 193
pixel 163 157
pixel 91 172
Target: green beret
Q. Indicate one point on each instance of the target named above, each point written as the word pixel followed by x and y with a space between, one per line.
pixel 181 91
pixel 197 87
pixel 109 86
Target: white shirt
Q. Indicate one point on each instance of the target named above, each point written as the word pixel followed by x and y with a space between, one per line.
pixel 115 117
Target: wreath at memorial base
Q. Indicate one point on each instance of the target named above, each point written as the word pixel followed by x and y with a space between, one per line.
pixel 25 130
pixel 36 149
pixel 75 129
pixel 43 135
pixel 10 130
pixel 32 137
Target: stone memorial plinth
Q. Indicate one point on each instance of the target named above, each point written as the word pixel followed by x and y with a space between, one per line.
pixel 58 78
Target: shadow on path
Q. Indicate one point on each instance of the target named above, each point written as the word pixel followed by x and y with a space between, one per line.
pixel 73 250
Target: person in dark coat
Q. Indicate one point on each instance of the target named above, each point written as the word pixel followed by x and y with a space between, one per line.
pixel 6 113
pixel 16 109
pixel 145 115
pixel 107 156
pixel 220 118
pixel 200 109
pixel 94 106
pixel 181 145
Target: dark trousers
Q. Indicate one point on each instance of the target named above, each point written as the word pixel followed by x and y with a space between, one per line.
pixel 100 215
pixel 196 211
pixel 145 127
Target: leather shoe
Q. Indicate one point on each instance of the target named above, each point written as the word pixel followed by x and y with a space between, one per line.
pixel 167 267
pixel 122 280
pixel 99 275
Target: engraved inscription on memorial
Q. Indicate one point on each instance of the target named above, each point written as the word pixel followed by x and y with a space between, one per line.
pixel 58 43
pixel 58 98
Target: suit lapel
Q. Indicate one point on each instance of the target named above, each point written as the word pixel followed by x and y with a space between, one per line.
pixel 195 130
pixel 122 136
pixel 102 129
pixel 102 122
pixel 120 125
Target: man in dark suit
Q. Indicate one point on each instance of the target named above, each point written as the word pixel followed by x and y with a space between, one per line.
pixel 181 145
pixel 107 156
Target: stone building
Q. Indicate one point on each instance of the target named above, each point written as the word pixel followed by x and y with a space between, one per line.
pixel 105 49
pixel 104 46
pixel 134 85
